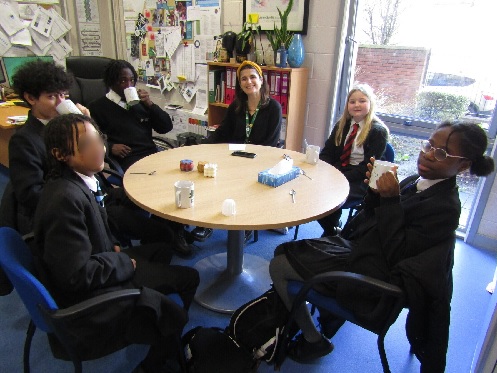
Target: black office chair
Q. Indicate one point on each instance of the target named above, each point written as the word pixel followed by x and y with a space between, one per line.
pixel 304 292
pixel 88 72
pixel 426 280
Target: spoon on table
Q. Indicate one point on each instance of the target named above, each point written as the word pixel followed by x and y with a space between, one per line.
pixel 303 173
pixel 293 193
pixel 143 173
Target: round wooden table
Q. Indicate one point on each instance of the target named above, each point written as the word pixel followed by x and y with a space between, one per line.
pixel 228 280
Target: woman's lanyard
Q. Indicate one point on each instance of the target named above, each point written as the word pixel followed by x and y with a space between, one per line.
pixel 249 123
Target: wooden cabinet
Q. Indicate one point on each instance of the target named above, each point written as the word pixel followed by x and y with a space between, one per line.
pixel 295 110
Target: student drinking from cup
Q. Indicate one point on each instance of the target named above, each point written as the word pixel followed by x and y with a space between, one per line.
pixel 128 126
pixel 43 85
pixel 358 136
pixel 80 258
pixel 397 231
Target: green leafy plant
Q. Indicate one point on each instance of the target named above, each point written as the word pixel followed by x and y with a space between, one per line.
pixel 245 35
pixel 440 106
pixel 281 35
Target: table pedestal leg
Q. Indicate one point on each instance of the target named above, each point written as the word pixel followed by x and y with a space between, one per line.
pixel 229 280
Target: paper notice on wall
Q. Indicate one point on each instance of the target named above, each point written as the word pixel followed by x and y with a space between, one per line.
pixel 132 8
pixel 22 37
pixel 87 11
pixel 41 41
pixel 90 35
pixel 202 102
pixel 60 25
pixel 183 64
pixel 172 38
pixel 9 19
pixel 42 21
pixel 90 39
pixel 210 20
pixel 37 51
pixel 4 43
pixel 27 11
pixel 204 44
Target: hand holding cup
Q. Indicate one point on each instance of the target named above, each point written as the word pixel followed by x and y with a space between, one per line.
pixel 382 178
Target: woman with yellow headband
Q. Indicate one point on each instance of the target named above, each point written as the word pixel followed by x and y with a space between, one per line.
pixel 253 117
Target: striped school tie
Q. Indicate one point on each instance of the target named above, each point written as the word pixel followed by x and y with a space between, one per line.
pixel 347 148
pixel 99 196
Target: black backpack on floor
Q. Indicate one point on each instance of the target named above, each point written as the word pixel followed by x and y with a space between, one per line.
pixel 258 325
pixel 210 350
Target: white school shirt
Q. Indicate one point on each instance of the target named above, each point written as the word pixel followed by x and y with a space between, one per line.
pixel 91 182
pixel 115 98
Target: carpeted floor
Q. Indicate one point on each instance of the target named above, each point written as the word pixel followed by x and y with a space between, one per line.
pixel 355 348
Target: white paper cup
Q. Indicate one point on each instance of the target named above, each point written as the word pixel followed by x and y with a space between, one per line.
pixel 184 192
pixel 312 154
pixel 131 95
pixel 379 168
pixel 229 207
pixel 67 107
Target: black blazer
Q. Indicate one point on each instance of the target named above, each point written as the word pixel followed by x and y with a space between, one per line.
pixel 77 262
pixel 374 146
pixel 27 166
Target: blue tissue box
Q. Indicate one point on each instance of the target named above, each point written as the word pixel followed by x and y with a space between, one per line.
pixel 276 180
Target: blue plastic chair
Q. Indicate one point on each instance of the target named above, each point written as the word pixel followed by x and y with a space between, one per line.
pixel 304 292
pixel 17 261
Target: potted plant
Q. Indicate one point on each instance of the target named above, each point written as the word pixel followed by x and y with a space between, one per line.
pixel 243 43
pixel 281 36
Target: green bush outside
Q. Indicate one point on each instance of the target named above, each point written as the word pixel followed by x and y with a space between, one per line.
pixel 440 106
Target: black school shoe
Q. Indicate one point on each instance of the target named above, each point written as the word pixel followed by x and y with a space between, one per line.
pixel 180 244
pixel 201 234
pixel 302 351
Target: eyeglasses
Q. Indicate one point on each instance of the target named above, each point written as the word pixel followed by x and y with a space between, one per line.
pixel 438 153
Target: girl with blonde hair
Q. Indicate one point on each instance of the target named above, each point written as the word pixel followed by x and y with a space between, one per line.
pixel 356 137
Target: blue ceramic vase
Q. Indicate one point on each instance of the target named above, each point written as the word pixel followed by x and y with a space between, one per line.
pixel 296 52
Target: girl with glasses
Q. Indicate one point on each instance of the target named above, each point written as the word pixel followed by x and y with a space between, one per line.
pixel 404 236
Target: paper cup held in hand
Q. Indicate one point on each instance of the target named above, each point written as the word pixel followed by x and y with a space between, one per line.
pixel 131 95
pixel 67 107
pixel 229 207
pixel 379 168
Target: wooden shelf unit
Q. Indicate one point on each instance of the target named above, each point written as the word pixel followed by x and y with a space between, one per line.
pixel 297 98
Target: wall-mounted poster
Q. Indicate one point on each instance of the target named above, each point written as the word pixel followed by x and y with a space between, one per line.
pixel 268 13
